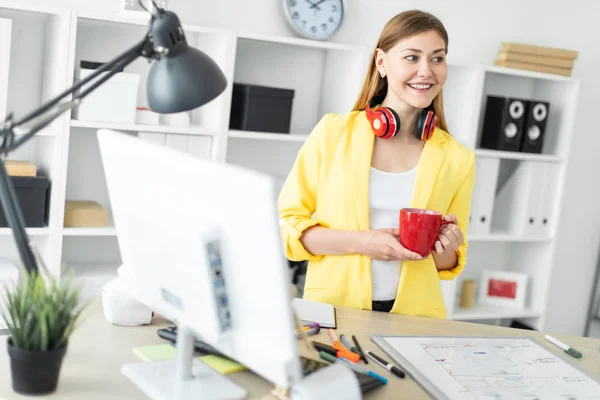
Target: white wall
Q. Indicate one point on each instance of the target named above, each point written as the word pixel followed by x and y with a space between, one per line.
pixel 476 29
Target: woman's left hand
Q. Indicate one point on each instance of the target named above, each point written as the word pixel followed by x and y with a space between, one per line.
pixel 450 237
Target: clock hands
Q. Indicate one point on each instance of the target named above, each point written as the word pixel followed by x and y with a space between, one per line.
pixel 316 5
pixel 313 5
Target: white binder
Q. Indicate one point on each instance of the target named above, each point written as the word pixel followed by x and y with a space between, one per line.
pixel 533 213
pixel 547 199
pixel 517 200
pixel 482 201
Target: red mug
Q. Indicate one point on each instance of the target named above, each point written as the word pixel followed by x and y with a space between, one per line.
pixel 419 229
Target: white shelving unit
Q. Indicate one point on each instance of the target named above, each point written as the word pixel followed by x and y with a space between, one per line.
pixel 517 195
pixel 181 130
pixel 325 77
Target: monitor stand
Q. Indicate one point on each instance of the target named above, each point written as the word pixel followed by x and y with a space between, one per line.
pixel 182 378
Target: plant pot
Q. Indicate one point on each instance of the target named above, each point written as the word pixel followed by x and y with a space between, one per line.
pixel 35 372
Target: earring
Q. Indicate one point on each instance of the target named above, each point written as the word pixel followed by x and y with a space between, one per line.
pixel 382 75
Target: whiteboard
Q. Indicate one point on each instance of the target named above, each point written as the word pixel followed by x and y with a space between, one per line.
pixel 477 368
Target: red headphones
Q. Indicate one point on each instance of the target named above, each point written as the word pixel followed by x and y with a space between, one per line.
pixel 385 122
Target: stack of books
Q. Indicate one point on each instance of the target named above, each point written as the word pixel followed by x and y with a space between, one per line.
pixel 537 58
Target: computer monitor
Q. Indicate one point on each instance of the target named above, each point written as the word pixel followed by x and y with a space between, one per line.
pixel 202 242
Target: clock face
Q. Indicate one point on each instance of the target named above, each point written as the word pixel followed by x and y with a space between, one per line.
pixel 315 19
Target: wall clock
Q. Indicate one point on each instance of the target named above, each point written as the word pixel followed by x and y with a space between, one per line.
pixel 315 19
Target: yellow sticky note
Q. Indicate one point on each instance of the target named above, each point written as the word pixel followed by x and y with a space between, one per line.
pixel 167 351
pixel 155 352
pixel 221 365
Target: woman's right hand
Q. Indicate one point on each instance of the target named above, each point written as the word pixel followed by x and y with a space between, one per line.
pixel 384 245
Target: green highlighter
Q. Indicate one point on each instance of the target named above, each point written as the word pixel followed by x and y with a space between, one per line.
pixel 327 357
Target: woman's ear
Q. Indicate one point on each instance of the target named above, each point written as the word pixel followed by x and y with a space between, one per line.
pixel 380 62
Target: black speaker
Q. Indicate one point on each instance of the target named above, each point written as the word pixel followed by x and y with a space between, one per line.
pixel 504 123
pixel 535 126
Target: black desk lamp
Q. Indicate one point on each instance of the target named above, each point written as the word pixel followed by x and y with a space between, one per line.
pixel 182 78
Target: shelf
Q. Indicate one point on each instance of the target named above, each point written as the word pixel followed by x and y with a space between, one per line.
pixel 513 155
pixel 507 237
pixel 526 73
pixel 283 137
pixel 484 312
pixel 29 231
pixel 303 42
pixel 47 131
pixel 34 8
pixel 144 21
pixel 90 269
pixel 183 130
pixel 91 231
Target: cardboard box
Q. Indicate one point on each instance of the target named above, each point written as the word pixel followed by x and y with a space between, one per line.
pixel 20 168
pixel 85 214
pixel 539 50
pixel 534 67
pixel 537 58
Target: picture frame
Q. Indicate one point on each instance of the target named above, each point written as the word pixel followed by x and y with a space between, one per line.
pixel 503 289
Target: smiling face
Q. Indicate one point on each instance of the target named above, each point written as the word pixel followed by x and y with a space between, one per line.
pixel 415 69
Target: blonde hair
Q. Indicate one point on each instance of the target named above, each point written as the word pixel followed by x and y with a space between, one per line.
pixel 400 27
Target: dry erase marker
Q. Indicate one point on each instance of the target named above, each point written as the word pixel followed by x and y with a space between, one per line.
pixel 392 368
pixel 309 332
pixel 327 357
pixel 360 351
pixel 362 370
pixel 334 339
pixel 347 343
pixel 569 350
pixel 336 352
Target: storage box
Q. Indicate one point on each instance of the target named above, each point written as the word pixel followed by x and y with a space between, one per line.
pixel 261 108
pixel 113 101
pixel 32 193
pixel 537 58
pixel 20 168
pixel 83 213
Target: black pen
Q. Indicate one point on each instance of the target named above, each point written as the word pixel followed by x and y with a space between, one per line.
pixel 360 351
pixel 392 368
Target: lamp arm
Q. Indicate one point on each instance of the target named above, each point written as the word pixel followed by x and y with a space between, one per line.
pixel 41 117
pixel 52 109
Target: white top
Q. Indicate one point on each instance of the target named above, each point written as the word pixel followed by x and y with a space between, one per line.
pixel 388 193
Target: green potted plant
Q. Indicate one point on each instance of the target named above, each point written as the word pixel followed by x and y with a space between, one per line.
pixel 40 313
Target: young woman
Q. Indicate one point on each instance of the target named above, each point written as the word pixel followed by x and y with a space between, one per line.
pixel 339 206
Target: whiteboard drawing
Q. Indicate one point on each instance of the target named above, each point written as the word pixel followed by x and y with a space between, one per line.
pixel 478 368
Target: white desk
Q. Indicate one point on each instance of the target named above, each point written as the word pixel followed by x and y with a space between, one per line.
pixel 91 369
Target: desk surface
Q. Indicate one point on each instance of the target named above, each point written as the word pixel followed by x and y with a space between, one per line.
pixel 98 349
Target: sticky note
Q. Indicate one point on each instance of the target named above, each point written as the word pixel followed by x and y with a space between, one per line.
pixel 167 351
pixel 155 352
pixel 222 365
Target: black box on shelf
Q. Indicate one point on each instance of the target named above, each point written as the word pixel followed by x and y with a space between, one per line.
pixel 504 123
pixel 535 126
pixel 32 193
pixel 261 108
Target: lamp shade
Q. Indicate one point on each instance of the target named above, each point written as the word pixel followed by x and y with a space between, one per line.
pixel 184 82
pixel 184 78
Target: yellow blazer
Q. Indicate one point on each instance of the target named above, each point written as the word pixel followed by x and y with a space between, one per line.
pixel 328 185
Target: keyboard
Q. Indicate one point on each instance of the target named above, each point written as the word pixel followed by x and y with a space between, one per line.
pixel 366 382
